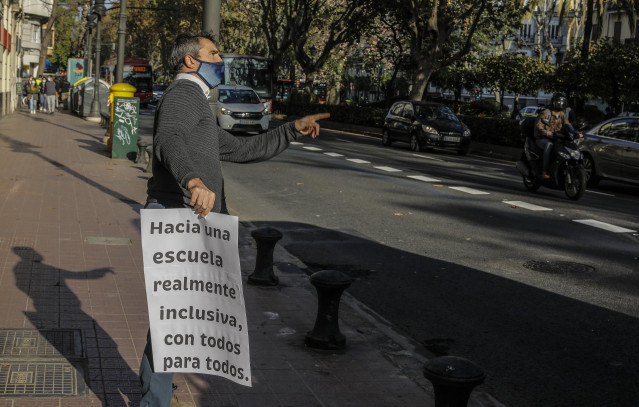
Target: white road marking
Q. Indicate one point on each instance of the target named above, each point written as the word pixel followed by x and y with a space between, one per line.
pixel 296 143
pixel 345 141
pixel 312 148
pixel 388 169
pixel 605 226
pixel 425 156
pixel 335 154
pixel 526 205
pixel 358 161
pixel 423 178
pixel 470 191
pixel 600 193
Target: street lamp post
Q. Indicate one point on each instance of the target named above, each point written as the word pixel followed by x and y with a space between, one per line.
pixel 99 10
pixel 211 18
pixel 119 68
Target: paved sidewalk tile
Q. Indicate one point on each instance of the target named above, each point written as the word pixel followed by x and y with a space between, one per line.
pixel 70 261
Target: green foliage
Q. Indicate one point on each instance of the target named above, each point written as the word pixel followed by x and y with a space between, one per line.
pixel 503 132
pixel 363 116
pixel 483 107
pixel 515 73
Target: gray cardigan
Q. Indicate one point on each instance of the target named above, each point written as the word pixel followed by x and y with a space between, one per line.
pixel 188 143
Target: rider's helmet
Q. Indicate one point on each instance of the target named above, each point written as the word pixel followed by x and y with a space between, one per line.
pixel 558 102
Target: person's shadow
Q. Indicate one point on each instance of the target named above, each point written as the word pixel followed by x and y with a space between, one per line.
pixel 55 308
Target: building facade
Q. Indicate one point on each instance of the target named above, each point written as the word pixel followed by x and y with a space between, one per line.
pixel 20 43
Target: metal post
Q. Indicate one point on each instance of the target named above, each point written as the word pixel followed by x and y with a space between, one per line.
pixel 453 379
pixel 211 17
pixel 95 105
pixel 119 68
pixel 87 56
pixel 265 239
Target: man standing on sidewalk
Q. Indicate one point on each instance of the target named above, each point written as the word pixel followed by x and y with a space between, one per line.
pixel 50 93
pixel 188 147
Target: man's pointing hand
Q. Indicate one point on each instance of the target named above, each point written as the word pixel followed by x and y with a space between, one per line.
pixel 308 125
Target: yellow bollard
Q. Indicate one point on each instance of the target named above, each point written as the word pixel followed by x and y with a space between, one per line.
pixel 122 90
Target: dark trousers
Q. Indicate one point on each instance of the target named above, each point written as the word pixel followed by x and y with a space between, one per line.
pixel 546 145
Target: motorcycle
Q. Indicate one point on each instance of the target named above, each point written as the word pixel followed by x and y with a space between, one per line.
pixel 566 169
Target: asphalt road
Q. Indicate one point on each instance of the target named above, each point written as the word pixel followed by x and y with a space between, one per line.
pixel 542 292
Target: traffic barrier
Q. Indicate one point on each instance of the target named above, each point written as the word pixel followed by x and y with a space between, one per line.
pixel 265 238
pixel 453 379
pixel 326 334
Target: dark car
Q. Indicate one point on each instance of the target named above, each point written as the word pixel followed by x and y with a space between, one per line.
pixel 158 91
pixel 424 124
pixel 611 150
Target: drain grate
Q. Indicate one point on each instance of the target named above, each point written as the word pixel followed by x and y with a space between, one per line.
pixel 19 378
pixel 558 267
pixel 46 343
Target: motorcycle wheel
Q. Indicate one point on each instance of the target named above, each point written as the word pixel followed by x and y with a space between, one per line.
pixel 575 182
pixel 531 184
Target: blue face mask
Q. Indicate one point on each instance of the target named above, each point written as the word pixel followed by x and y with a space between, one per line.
pixel 212 73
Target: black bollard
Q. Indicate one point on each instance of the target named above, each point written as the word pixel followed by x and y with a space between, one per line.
pixel 326 334
pixel 265 238
pixel 453 379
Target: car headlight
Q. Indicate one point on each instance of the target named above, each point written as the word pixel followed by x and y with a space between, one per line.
pixel 265 112
pixel 428 129
pixel 225 111
pixel 576 154
pixel 466 133
pixel 564 155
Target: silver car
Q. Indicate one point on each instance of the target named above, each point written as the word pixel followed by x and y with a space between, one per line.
pixel 240 109
pixel 611 150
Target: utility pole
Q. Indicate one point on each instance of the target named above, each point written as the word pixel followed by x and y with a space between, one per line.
pixel 119 69
pixel 211 18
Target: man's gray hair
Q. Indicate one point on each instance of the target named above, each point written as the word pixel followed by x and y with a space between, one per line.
pixel 186 44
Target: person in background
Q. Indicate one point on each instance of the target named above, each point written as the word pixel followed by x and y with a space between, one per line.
pixel 33 93
pixel 51 94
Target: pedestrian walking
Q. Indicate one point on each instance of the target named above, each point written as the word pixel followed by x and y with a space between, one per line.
pixel 51 94
pixel 188 147
pixel 33 93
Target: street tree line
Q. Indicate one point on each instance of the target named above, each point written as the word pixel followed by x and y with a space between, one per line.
pixel 388 43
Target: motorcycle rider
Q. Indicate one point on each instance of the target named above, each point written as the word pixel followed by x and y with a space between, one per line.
pixel 549 121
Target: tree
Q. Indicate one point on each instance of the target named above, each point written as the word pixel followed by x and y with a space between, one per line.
pixel 46 34
pixel 442 32
pixel 613 73
pixel 515 73
pixel 461 74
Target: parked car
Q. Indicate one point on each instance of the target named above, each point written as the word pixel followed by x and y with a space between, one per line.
pixel 241 110
pixel 529 111
pixel 158 91
pixel 611 150
pixel 424 124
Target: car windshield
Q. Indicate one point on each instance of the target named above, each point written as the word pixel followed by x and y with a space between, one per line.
pixel 238 96
pixel 435 112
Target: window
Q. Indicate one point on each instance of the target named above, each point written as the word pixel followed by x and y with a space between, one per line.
pixel 35 33
pixel 397 109
pixel 616 39
pixel 624 129
pixel 408 111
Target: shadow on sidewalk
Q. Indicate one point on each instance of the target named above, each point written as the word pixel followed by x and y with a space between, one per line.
pixel 28 148
pixel 54 306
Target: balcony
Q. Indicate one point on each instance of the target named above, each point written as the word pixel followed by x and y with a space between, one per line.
pixel 37 8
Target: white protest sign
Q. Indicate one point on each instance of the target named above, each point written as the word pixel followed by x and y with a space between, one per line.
pixel 193 282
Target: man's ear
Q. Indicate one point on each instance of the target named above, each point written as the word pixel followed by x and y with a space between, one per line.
pixel 189 62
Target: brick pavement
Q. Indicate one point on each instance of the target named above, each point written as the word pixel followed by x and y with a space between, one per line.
pixel 59 195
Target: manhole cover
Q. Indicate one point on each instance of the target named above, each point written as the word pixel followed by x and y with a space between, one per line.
pixel 558 267
pixel 38 379
pixel 46 343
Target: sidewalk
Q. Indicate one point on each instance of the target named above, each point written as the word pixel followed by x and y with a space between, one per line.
pixel 73 316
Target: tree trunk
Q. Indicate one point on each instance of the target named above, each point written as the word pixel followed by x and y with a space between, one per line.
pixel 420 81
pixel 46 37
pixel 585 45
